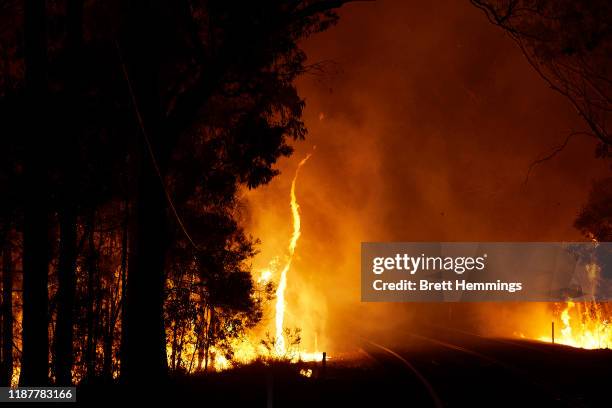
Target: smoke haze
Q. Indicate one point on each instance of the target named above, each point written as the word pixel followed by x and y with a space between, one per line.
pixel 425 123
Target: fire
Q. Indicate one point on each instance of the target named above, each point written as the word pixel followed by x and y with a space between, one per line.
pixel 306 372
pixel 250 347
pixel 585 325
pixel 265 276
pixel 280 346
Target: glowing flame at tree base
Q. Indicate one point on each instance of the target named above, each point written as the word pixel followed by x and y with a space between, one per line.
pixel 584 325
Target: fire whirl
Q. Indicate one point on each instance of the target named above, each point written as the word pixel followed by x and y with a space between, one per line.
pixel 248 349
pixel 280 345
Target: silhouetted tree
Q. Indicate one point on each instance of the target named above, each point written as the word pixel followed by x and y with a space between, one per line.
pixel 67 201
pixel 568 43
pixel 35 361
pixel 142 122
pixel 212 78
pixel 595 218
pixel 6 362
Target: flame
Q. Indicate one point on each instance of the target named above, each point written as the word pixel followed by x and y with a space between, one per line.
pixel 265 276
pixel 249 348
pixel 280 346
pixel 584 325
pixel 306 372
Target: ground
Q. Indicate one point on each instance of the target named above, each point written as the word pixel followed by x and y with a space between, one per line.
pixel 433 367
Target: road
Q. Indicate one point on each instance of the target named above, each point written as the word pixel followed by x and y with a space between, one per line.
pixel 443 367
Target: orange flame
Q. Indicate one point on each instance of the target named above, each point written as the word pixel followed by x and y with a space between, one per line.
pixel 280 346
pixel 585 325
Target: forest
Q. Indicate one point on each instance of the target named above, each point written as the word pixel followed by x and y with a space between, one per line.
pixel 129 129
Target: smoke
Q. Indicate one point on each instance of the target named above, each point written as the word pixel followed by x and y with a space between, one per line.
pixel 425 124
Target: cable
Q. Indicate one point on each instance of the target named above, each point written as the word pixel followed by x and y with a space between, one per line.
pixel 150 146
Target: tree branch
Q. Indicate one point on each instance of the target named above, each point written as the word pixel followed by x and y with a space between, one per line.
pixel 552 153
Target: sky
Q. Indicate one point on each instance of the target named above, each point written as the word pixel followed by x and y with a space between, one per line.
pixel 422 128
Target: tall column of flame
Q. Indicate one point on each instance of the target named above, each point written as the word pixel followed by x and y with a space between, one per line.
pixel 279 345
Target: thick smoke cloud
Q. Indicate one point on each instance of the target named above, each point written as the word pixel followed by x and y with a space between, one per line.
pixel 425 123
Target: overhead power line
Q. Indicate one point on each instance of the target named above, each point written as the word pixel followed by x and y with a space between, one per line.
pixel 150 147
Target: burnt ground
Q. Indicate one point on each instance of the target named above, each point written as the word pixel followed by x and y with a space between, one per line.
pixel 435 367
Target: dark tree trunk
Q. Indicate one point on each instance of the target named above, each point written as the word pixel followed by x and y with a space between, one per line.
pixel 67 211
pixel 210 333
pixel 98 316
pixel 202 330
pixel 124 266
pixel 35 359
pixel 174 346
pixel 6 369
pixel 90 350
pixel 180 347
pixel 145 334
pixel 145 339
pixel 201 349
pixel 66 272
pixel 107 337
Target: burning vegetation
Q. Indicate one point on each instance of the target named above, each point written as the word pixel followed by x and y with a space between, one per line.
pixel 584 325
pixel 587 324
pixel 243 340
pixel 136 127
pixel 132 131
